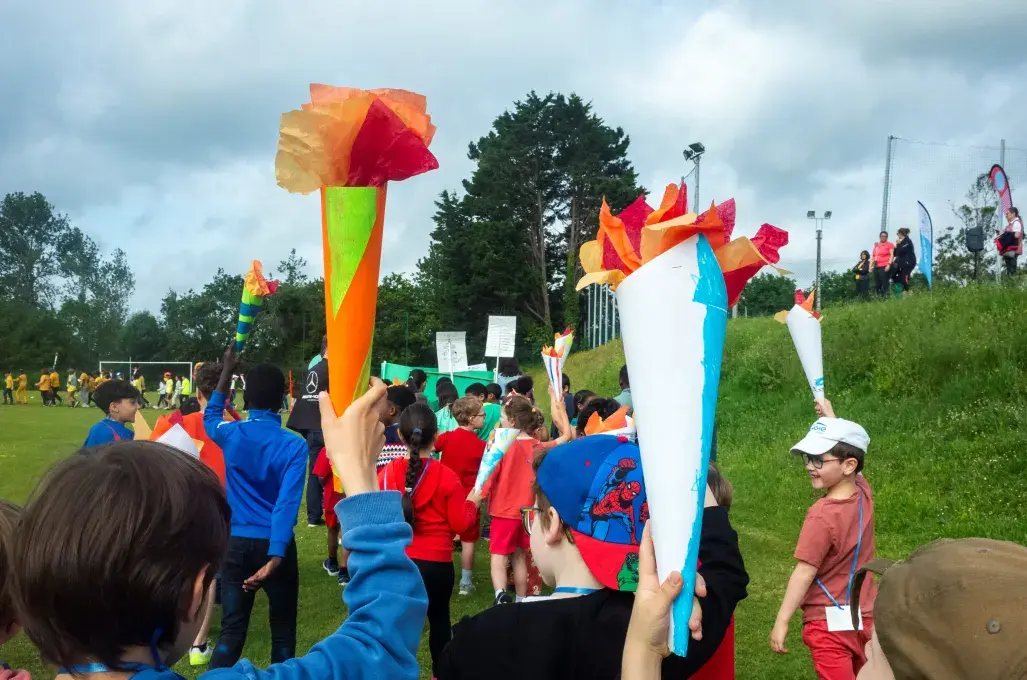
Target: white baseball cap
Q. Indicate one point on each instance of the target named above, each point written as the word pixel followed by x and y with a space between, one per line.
pixel 827 432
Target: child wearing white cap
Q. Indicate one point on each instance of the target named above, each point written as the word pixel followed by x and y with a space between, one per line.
pixel 836 541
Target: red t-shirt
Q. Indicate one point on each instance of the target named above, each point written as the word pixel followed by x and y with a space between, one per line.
pixel 882 253
pixel 323 470
pixel 461 452
pixel 508 488
pixel 441 508
pixel 828 542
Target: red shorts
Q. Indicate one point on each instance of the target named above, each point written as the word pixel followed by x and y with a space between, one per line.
pixel 839 655
pixel 506 535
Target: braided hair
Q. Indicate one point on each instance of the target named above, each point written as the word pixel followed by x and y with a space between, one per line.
pixel 417 429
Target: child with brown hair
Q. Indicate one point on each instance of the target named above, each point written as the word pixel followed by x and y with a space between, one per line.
pixel 9 513
pixel 461 451
pixel 509 489
pixel 162 533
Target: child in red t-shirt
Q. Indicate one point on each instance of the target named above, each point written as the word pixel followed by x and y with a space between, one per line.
pixel 837 539
pixel 436 505
pixel 509 488
pixel 332 564
pixel 461 451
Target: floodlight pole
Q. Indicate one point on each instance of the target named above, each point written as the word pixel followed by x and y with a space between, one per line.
pixel 820 230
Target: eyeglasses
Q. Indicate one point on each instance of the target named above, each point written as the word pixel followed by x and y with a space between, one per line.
pixel 480 415
pixel 817 461
pixel 528 518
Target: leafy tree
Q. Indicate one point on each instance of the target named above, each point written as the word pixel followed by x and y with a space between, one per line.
pixel 767 294
pixel 405 324
pixel 953 263
pixel 141 339
pixel 30 237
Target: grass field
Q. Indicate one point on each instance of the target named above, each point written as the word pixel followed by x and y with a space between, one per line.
pixel 34 438
pixel 938 382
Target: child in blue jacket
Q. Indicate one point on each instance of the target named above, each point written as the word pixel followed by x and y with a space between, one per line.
pixel 127 591
pixel 265 467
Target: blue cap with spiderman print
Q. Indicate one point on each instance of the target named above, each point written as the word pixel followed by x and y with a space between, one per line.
pixel 595 484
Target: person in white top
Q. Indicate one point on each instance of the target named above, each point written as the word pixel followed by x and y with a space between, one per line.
pixel 1010 242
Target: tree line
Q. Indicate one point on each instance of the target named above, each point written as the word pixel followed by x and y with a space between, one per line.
pixel 505 242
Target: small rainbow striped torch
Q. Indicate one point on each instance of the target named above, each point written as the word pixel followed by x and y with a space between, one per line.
pixel 255 289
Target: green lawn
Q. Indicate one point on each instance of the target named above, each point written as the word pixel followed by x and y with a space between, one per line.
pixel 939 382
pixel 35 438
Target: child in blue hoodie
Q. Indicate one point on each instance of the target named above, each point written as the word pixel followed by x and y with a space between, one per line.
pixel 265 467
pixel 126 593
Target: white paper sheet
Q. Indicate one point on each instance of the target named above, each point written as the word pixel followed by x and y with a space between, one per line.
pixel 178 438
pixel 805 331
pixel 673 318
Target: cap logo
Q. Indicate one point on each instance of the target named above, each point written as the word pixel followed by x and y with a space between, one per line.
pixel 614 509
pixel 818 427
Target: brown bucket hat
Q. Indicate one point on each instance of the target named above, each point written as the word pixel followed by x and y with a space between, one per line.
pixel 955 609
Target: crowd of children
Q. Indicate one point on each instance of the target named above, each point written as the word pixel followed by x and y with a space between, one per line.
pixel 396 481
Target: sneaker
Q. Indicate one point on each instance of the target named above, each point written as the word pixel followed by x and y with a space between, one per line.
pixel 503 597
pixel 466 588
pixel 200 656
pixel 331 566
pixel 343 577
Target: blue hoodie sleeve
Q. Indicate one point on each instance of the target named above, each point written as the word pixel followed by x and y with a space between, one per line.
pixel 287 505
pixel 386 600
pixel 214 417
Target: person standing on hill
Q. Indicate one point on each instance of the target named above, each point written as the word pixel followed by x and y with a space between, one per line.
pixel 903 263
pixel 1010 241
pixel 862 273
pixel 881 260
pixel 44 386
pixel 55 385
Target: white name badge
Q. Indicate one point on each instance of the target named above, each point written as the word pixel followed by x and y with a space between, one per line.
pixel 839 619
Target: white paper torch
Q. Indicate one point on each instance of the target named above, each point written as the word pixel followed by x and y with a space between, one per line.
pixel 804 327
pixel 556 356
pixel 676 276
pixel 502 438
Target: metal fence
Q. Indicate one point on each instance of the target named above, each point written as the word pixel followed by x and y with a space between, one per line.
pixel 939 176
pixel 602 322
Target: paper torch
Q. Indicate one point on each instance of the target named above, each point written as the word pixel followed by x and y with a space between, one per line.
pixel 804 327
pixel 676 274
pixel 502 438
pixel 254 289
pixel 556 356
pixel 349 144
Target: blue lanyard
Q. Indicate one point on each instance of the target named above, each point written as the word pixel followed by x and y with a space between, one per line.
pixel 96 667
pixel 855 559
pixel 574 591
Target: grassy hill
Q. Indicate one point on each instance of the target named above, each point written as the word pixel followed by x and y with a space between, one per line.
pixel 938 382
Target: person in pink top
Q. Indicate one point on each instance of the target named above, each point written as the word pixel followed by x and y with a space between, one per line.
pixel 880 260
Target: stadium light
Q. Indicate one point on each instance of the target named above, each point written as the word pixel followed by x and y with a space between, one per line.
pixel 694 153
pixel 812 215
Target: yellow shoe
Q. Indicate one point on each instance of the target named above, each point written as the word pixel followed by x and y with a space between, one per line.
pixel 200 656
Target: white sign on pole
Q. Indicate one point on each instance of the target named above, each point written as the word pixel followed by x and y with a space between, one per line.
pixel 501 336
pixel 451 348
pixel 478 367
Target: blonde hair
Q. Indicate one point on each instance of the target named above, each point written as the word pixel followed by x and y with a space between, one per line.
pixel 464 409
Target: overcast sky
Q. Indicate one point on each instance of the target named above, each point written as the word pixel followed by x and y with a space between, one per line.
pixel 154 124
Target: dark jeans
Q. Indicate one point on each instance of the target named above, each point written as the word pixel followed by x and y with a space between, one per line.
pixel 439 578
pixel 881 280
pixel 1010 262
pixel 315 494
pixel 8 396
pixel 245 557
